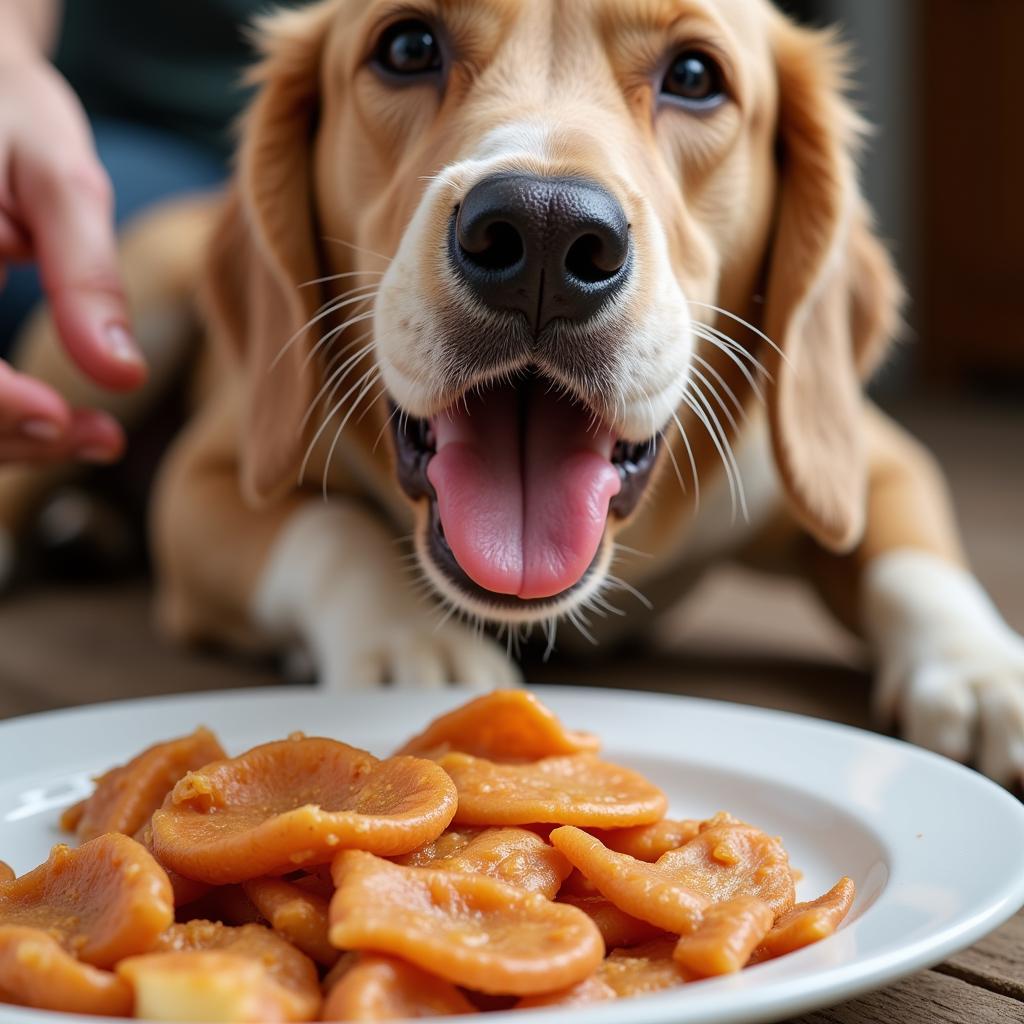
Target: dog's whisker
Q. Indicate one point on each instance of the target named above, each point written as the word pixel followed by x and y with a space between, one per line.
pixel 705 412
pixel 335 380
pixel 744 323
pixel 551 633
pixel 575 619
pixel 607 606
pixel 726 411
pixel 357 248
pixel 374 375
pixel 618 583
pixel 692 460
pixel 703 418
pixel 358 318
pixel 631 551
pixel 383 430
pixel 740 408
pixel 737 353
pixel 339 277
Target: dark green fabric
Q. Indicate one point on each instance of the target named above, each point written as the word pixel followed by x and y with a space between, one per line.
pixel 171 64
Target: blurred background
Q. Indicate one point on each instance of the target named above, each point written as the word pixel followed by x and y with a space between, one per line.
pixel 943 82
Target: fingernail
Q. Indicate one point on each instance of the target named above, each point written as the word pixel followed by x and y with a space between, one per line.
pixel 121 345
pixel 39 430
pixel 99 456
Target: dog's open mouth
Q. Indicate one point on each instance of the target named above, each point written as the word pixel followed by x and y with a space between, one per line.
pixel 522 481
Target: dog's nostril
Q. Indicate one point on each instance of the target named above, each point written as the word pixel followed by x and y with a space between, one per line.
pixel 590 260
pixel 497 246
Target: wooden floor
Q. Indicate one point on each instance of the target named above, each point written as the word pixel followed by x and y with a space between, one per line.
pixel 738 638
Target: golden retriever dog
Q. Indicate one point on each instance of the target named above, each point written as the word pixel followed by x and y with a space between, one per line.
pixel 523 283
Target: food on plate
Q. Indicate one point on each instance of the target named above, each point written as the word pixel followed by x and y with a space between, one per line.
pixel 495 862
pixel 297 802
pixel 126 797
pixel 579 789
pixel 469 929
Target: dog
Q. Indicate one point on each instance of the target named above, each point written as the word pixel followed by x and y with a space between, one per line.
pixel 522 284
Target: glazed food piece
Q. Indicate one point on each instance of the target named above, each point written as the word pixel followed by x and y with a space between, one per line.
pixel 625 974
pixel 649 842
pixel 617 928
pixel 228 904
pixel 469 929
pixel 6 872
pixel 106 900
pixel 36 971
pixel 126 797
pixel 728 859
pixel 296 914
pixel 380 988
pixel 295 803
pixel 642 890
pixel 807 923
pixel 173 975
pixel 504 726
pixel 725 938
pixel 515 856
pixel 213 988
pixel 577 790
pixel 186 890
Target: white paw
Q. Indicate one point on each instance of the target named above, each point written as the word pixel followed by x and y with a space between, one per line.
pixel 418 654
pixel 951 672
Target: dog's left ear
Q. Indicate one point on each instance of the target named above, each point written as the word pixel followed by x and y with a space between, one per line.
pixel 833 298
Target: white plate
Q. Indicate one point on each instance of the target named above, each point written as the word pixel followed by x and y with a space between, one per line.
pixel 935 849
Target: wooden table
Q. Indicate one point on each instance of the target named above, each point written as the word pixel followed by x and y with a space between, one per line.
pixel 64 647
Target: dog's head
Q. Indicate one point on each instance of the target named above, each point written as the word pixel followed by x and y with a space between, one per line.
pixel 508 225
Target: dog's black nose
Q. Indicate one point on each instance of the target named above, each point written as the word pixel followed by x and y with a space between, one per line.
pixel 548 247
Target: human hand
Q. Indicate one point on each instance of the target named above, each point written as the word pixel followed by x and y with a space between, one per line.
pixel 56 207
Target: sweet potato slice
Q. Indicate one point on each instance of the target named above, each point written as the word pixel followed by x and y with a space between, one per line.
pixel 186 890
pixel 287 977
pixel 214 988
pixel 807 923
pixel 729 859
pixel 377 988
pixel 295 913
pixel 470 929
pixel 295 803
pixel 127 796
pixel 642 890
pixel 577 790
pixel 6 872
pixel 106 900
pixel 504 726
pixel 516 856
pixel 585 993
pixel 649 842
pixel 617 928
pixel 642 971
pixel 725 938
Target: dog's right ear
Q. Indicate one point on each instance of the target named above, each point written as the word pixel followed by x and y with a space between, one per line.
pixel 266 248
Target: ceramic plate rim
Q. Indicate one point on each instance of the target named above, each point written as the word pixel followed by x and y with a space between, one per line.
pixel 771 1001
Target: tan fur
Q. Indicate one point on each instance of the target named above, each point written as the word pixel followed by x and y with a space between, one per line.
pixel 756 209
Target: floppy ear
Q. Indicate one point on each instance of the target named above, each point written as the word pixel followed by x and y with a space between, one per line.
pixel 832 299
pixel 266 247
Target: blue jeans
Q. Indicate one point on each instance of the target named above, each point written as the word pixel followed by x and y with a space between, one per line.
pixel 145 166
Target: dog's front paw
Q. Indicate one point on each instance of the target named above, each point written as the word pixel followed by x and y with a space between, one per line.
pixel 951 672
pixel 419 654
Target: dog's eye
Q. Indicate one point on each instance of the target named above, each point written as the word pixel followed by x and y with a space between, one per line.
pixel 409 48
pixel 694 79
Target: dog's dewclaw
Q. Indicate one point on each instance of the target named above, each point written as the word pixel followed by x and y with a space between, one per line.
pixel 729 859
pixel 295 803
pixel 515 856
pixel 642 890
pixel 469 929
pixel 127 796
pixel 649 842
pixel 380 988
pixel 36 971
pixel 6 872
pixel 215 987
pixel 617 928
pixel 576 790
pixel 725 938
pixel 104 901
pixel 506 725
pixel 297 914
pixel 807 923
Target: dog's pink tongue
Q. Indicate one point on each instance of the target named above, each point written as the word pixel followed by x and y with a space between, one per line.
pixel 523 488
